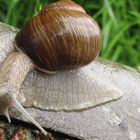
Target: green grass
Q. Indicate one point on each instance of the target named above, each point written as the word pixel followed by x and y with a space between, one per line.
pixel 119 21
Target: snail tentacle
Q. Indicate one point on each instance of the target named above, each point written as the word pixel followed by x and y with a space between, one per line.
pixel 25 114
pixel 7 115
pixel 12 73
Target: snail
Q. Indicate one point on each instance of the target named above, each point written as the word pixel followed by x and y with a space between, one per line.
pixel 62 37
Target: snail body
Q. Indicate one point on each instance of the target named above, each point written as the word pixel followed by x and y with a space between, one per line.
pixel 62 36
pixel 106 118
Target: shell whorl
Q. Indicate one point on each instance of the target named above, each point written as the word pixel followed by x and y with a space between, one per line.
pixel 60 37
pixel 64 5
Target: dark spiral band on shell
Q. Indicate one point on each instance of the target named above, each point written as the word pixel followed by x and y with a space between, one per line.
pixel 60 37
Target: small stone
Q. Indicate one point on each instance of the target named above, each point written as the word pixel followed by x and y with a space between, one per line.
pixel 47 137
pixel 2 135
pixel 21 134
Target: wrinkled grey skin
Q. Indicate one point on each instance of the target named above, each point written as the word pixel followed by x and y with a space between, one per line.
pixel 117 120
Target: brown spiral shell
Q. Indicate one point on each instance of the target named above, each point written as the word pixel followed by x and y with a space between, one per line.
pixel 62 36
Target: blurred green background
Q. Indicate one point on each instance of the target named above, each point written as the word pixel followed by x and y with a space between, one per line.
pixel 119 21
